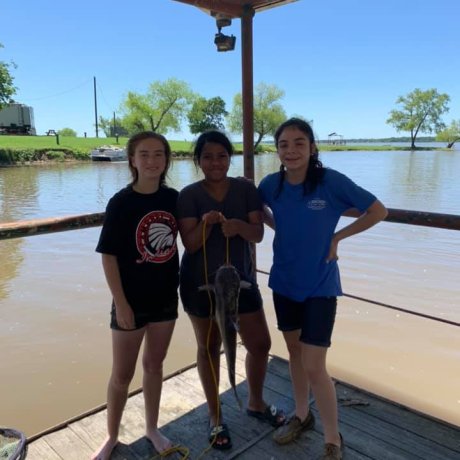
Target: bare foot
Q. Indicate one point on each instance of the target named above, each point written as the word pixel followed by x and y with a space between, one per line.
pixel 105 449
pixel 159 441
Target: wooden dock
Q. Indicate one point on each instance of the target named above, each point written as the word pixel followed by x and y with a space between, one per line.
pixel 373 428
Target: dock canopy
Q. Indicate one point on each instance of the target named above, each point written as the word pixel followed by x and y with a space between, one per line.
pixel 234 8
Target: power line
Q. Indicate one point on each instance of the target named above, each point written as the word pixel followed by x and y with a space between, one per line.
pixel 60 93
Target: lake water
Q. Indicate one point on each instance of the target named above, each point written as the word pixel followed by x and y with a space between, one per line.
pixel 54 302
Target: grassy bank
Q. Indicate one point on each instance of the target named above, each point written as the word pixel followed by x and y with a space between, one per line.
pixel 24 149
pixel 21 149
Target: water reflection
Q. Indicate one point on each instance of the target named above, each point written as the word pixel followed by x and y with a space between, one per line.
pixel 18 194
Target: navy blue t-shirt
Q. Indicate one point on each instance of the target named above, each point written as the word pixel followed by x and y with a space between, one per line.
pixel 305 225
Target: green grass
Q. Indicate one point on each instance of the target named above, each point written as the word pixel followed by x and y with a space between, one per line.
pixel 71 143
pixel 21 149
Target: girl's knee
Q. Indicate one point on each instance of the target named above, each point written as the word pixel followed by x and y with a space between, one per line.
pixel 152 366
pixel 316 374
pixel 204 352
pixel 259 348
pixel 121 380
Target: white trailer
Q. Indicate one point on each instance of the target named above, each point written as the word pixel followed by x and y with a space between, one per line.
pixel 17 119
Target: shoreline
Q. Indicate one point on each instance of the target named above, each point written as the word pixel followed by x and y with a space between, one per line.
pixel 40 156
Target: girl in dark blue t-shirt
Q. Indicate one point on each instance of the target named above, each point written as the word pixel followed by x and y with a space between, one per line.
pixel 304 202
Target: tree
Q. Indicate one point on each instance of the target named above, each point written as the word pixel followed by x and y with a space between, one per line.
pixel 421 112
pixel 451 134
pixel 161 109
pixel 268 112
pixel 206 114
pixel 107 125
pixel 7 89
pixel 67 132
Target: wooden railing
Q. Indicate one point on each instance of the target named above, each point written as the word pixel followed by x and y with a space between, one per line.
pixel 33 227
pixel 25 228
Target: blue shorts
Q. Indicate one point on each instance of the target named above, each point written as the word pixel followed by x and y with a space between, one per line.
pixel 197 303
pixel 315 318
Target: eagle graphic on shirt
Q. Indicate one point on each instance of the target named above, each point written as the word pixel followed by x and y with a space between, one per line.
pixel 156 237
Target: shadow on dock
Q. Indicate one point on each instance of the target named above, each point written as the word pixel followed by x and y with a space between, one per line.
pixel 373 428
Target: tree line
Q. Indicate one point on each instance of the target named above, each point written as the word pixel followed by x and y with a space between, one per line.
pixel 167 104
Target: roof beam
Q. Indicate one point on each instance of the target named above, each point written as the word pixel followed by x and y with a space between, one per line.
pixel 217 6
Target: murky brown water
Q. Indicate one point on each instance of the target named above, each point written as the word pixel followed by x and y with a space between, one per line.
pixel 54 303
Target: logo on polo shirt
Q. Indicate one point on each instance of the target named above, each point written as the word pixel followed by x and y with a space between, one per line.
pixel 317 204
pixel 156 237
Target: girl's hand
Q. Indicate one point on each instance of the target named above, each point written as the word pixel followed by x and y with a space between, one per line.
pixel 230 227
pixel 212 217
pixel 333 251
pixel 125 316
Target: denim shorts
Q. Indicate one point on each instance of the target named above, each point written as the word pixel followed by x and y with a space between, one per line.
pixel 198 303
pixel 315 318
pixel 164 310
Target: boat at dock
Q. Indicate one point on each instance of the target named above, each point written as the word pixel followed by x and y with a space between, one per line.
pixel 109 153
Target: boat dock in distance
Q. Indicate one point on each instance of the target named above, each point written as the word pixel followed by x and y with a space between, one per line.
pixel 373 428
pixel 109 153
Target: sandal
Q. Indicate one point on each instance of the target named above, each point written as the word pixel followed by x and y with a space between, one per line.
pixel 292 430
pixel 219 437
pixel 272 415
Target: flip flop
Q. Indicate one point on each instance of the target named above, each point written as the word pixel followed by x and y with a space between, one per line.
pixel 220 433
pixel 272 415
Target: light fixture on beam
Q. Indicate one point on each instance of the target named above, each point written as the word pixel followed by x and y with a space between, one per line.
pixel 222 41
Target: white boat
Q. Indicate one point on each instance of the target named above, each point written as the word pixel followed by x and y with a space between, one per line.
pixel 109 153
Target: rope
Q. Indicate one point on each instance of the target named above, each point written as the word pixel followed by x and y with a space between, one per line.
pixel 404 310
pixel 211 305
pixel 392 307
pixel 208 338
pixel 185 451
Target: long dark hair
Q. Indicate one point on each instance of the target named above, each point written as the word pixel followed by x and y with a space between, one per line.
pixel 134 141
pixel 315 170
pixel 214 136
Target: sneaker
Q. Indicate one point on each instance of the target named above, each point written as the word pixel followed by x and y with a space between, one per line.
pixel 333 452
pixel 292 429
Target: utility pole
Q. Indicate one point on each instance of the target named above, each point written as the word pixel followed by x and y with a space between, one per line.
pixel 95 107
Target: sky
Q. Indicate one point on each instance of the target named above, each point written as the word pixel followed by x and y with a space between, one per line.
pixel 342 64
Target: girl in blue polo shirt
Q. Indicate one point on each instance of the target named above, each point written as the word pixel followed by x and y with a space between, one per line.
pixel 304 202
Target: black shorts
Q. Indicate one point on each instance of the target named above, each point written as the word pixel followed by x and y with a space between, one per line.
pixel 165 310
pixel 314 317
pixel 197 303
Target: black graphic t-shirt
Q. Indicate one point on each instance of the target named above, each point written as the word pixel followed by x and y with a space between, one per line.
pixel 141 230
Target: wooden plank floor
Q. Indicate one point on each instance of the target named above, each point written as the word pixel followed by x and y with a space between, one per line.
pixel 372 427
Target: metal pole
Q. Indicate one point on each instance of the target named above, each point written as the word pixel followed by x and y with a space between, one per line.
pixel 95 106
pixel 247 92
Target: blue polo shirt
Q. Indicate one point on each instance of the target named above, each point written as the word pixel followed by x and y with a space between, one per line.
pixel 305 224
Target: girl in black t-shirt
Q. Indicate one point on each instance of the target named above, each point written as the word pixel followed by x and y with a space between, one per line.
pixel 140 261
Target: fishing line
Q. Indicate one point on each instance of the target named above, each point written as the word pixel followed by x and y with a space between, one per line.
pixel 227 251
pixel 211 310
pixel 211 307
